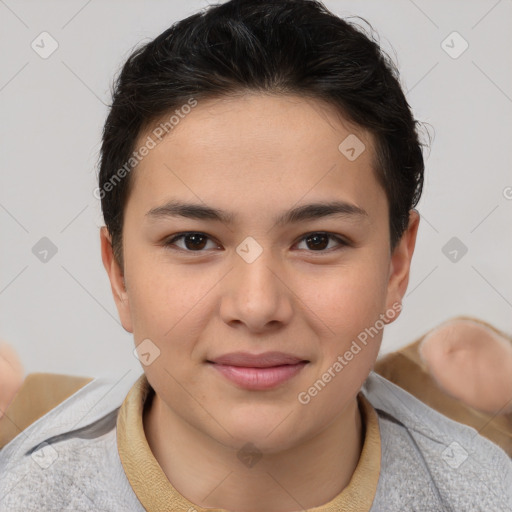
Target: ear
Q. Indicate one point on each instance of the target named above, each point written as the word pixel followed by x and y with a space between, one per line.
pixel 115 274
pixel 400 264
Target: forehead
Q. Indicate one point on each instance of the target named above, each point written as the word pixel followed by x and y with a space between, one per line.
pixel 259 117
pixel 257 147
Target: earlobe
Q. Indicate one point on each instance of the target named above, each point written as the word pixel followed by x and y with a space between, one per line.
pixel 400 263
pixel 116 277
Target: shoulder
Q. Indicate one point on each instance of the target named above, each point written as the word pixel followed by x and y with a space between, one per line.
pixel 425 453
pixel 69 455
pixel 38 394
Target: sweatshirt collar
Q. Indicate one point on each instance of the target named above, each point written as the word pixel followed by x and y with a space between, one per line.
pixel 156 493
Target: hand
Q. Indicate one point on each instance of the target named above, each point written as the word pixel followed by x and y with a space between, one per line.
pixel 471 363
pixel 11 375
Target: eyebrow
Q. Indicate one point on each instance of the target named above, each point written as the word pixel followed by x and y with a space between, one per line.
pixel 307 212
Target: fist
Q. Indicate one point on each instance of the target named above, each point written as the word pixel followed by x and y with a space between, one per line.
pixel 471 363
pixel 11 375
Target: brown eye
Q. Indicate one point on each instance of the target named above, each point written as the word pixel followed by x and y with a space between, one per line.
pixel 195 241
pixel 319 242
pixel 192 242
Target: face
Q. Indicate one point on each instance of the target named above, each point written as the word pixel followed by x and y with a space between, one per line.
pixel 239 274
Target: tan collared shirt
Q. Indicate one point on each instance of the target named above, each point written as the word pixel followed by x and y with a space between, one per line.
pixel 156 493
pixel 413 458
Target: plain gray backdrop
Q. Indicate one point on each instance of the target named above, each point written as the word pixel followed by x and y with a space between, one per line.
pixel 57 309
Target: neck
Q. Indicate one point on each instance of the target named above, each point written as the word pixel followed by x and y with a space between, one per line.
pixel 210 475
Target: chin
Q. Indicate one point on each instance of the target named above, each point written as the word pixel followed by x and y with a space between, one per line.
pixel 267 434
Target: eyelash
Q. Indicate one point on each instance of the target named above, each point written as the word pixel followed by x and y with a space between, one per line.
pixel 170 242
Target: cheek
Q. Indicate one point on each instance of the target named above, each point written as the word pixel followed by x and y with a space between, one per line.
pixel 349 305
pixel 153 289
pixel 168 305
pixel 147 303
pixel 349 296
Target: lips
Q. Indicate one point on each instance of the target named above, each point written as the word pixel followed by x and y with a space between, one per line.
pixel 265 360
pixel 258 371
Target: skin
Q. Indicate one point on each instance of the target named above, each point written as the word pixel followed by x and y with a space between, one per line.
pixel 11 376
pixel 471 363
pixel 257 156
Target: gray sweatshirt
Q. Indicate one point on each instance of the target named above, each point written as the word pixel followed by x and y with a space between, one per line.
pixel 68 459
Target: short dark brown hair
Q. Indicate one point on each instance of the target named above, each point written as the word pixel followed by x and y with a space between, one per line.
pixel 274 46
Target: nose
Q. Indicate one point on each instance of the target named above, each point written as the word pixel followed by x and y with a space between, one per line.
pixel 256 294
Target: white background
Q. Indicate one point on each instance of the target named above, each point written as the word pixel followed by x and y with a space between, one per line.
pixel 60 315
